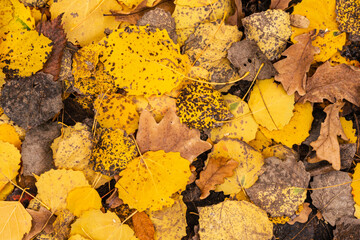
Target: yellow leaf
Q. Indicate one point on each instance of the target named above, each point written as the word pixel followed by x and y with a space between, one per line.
pixel 260 142
pixel 84 21
pixel 234 220
pixel 9 162
pixel 321 16
pixel 242 127
pixel 8 134
pixel 15 221
pixel 6 120
pixel 54 185
pixel 82 199
pixel 270 30
pixel 7 189
pixel 170 222
pixel 357 211
pixel 149 181
pixel 329 44
pixel 271 106
pixel 116 111
pixel 297 130
pixel 99 226
pixel 113 152
pixel 338 59
pixel 349 131
pixel 24 52
pixel 188 15
pixel 250 162
pixel 143 62
pixel 77 237
pixel 356 184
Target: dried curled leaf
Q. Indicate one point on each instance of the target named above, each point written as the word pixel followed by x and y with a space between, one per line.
pixel 159 65
pixel 9 162
pixel 24 52
pixel 200 106
pixel 169 135
pixel 327 146
pixel 149 181
pixel 215 172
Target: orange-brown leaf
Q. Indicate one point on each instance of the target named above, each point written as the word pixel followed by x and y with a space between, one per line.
pixel 143 226
pixel 169 135
pixel 279 4
pixel 327 146
pixel 215 172
pixel 292 70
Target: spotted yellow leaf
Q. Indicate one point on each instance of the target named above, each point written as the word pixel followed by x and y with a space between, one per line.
pixel 329 44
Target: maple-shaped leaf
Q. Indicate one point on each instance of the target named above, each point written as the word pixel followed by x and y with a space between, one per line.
pixel 143 227
pixel 169 135
pixel 327 146
pixel 15 221
pixel 292 70
pixel 54 31
pixel 333 83
pixel 215 173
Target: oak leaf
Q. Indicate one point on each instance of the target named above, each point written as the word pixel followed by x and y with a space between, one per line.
pixel 40 221
pixel 327 146
pixel 292 70
pixel 169 135
pixel 143 227
pixel 333 83
pixel 215 173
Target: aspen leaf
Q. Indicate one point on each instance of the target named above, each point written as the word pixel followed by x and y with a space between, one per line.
pixel 327 146
pixel 169 135
pixel 113 152
pixel 297 130
pixel 54 185
pixel 62 223
pixel 159 65
pixel 348 17
pixel 248 169
pixel 149 181
pixel 6 190
pixel 8 134
pixel 82 199
pixel 24 52
pixel 9 162
pixel 329 44
pixel 215 172
pixel 77 237
pixel 270 30
pixel 219 221
pixel 356 184
pixel 349 131
pixel 15 221
pixel 260 142
pixel 242 127
pixel 337 59
pixel 99 226
pixel 271 106
pixel 143 227
pixel 357 211
pixel 116 111
pixel 200 106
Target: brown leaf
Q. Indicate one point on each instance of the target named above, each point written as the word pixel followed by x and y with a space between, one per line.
pixel 169 135
pixel 54 31
pixel 279 4
pixel 292 70
pixel 303 216
pixel 40 218
pixel 215 173
pixel 327 145
pixel 235 20
pixel 333 83
pixel 114 201
pixel 143 226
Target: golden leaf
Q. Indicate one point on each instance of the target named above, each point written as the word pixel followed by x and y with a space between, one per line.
pixel 9 163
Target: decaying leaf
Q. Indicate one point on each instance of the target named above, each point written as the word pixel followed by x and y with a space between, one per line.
pixel 246 56
pixel 297 130
pixel 299 21
pixel 327 145
pixel 98 226
pixel 234 220
pixel 114 150
pixel 293 69
pixel 169 135
pixel 82 199
pixel 24 52
pixel 271 106
pixel 270 30
pixel 53 186
pixel 336 201
pixel 9 163
pixel 333 83
pixel 200 106
pixel 347 228
pixel 170 222
pixel 159 65
pixel 242 127
pixel 215 172
pixel 40 220
pixel 149 180
pixel 62 224
pixel 303 216
pixel 143 227
pixel 116 111
pixel 279 4
pixel 347 12
pixel 15 221
pixel 246 173
pixel 282 186
pixel 31 101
